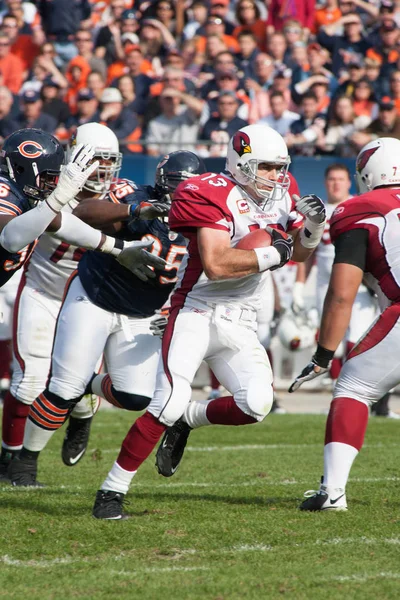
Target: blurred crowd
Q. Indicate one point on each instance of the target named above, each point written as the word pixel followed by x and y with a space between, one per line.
pixel 186 74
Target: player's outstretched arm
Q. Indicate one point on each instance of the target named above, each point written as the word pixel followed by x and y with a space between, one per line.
pixel 24 229
pixel 343 287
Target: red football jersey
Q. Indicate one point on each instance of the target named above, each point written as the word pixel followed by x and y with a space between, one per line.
pixel 378 212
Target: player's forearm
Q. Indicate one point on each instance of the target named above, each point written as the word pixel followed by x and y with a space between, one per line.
pixel 77 233
pixel 335 320
pixel 301 254
pixel 233 263
pixel 24 229
pixel 99 213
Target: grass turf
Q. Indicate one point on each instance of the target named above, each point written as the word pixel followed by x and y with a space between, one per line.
pixel 226 526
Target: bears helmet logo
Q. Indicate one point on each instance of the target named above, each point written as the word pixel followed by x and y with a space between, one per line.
pixel 364 158
pixel 241 143
pixel 25 148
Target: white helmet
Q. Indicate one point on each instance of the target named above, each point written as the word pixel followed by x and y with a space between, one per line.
pixel 106 146
pixel 250 146
pixel 378 164
pixel 297 331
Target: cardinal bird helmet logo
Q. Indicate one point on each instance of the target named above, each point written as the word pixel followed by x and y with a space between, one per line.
pixel 364 157
pixel 241 143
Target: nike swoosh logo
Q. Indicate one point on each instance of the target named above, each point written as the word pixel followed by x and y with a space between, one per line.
pixel 336 499
pixel 78 456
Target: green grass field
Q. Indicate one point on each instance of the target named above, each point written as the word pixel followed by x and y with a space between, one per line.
pixel 226 526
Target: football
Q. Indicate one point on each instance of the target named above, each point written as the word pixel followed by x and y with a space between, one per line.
pixel 260 238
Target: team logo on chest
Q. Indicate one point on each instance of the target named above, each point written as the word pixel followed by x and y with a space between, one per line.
pixel 30 149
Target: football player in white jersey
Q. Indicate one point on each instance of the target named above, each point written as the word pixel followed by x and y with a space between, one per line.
pixel 215 301
pixel 37 306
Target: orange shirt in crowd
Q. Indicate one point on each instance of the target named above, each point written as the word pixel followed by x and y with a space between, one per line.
pixel 325 16
pixel 119 68
pixel 231 43
pixel 363 107
pixel 259 28
pixel 76 84
pixel 12 69
pixel 25 49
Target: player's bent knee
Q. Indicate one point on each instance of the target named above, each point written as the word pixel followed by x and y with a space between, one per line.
pixel 58 401
pixel 172 411
pixel 67 389
pixel 365 392
pixel 256 401
pixel 131 401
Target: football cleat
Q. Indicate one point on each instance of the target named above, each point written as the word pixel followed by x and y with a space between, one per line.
pixel 172 447
pixel 76 440
pixel 5 459
pixel 22 473
pixel 326 498
pixel 109 505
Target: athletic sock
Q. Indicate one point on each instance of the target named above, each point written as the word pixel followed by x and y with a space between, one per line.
pixel 139 442
pixel 15 414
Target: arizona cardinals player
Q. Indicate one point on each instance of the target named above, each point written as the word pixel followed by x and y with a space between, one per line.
pixel 105 309
pixel 39 299
pixel 215 302
pixel 364 231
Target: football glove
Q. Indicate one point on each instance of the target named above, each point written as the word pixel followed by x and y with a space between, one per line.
pixel 138 260
pixel 151 209
pixel 73 176
pixel 158 325
pixel 312 207
pixel 319 364
pixel 284 245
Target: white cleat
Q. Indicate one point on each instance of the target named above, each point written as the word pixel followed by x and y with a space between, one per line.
pixel 326 498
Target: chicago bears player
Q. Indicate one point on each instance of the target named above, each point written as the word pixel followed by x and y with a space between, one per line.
pixel 215 301
pixel 38 303
pixel 364 230
pixel 105 309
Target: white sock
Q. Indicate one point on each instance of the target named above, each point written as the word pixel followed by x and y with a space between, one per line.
pixel 195 413
pixel 86 408
pixel 118 480
pixel 7 447
pixel 36 438
pixel 96 385
pixel 338 460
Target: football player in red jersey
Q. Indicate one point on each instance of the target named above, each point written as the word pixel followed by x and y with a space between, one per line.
pixel 214 305
pixel 365 232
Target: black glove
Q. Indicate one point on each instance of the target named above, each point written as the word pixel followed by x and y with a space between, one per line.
pixel 283 244
pixel 320 364
pixel 312 207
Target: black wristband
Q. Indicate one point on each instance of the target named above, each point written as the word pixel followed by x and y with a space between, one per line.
pixel 119 244
pixel 323 357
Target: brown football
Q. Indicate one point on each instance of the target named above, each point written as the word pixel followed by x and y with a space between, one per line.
pixel 259 238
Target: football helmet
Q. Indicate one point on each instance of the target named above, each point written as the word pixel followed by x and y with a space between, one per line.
pixel 247 149
pixel 297 330
pixel 106 146
pixel 33 159
pixel 378 164
pixel 176 167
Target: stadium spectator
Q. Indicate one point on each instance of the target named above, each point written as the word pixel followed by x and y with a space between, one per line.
pixel 11 67
pixel 221 9
pixel 30 11
pixel 52 103
pixel 174 129
pixel 108 42
pixel 85 47
pixel 136 67
pixel 326 14
pixel 61 20
pixel 280 117
pixel 220 127
pixel 96 84
pixel 341 125
pixel 385 42
pixel 120 120
pixel 248 16
pixel 355 72
pixel 214 26
pixel 76 74
pixel 281 10
pixel 394 90
pixel 156 41
pixel 373 75
pixel 164 12
pixel 347 46
pixel 248 53
pixel 317 57
pixel 25 42
pixel 364 100
pixel 226 81
pixel 7 123
pixel 88 109
pixel 293 33
pixel 31 113
pixel 387 124
pixel 126 86
pixel 276 48
pixel 307 132
pixel 197 17
pixel 259 94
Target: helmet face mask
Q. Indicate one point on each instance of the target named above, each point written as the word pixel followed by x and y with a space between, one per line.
pixel 110 164
pixel 32 159
pixel 256 148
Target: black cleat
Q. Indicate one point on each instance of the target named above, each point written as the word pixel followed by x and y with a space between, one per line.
pixel 109 505
pixel 76 441
pixel 172 447
pixel 5 459
pixel 22 472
